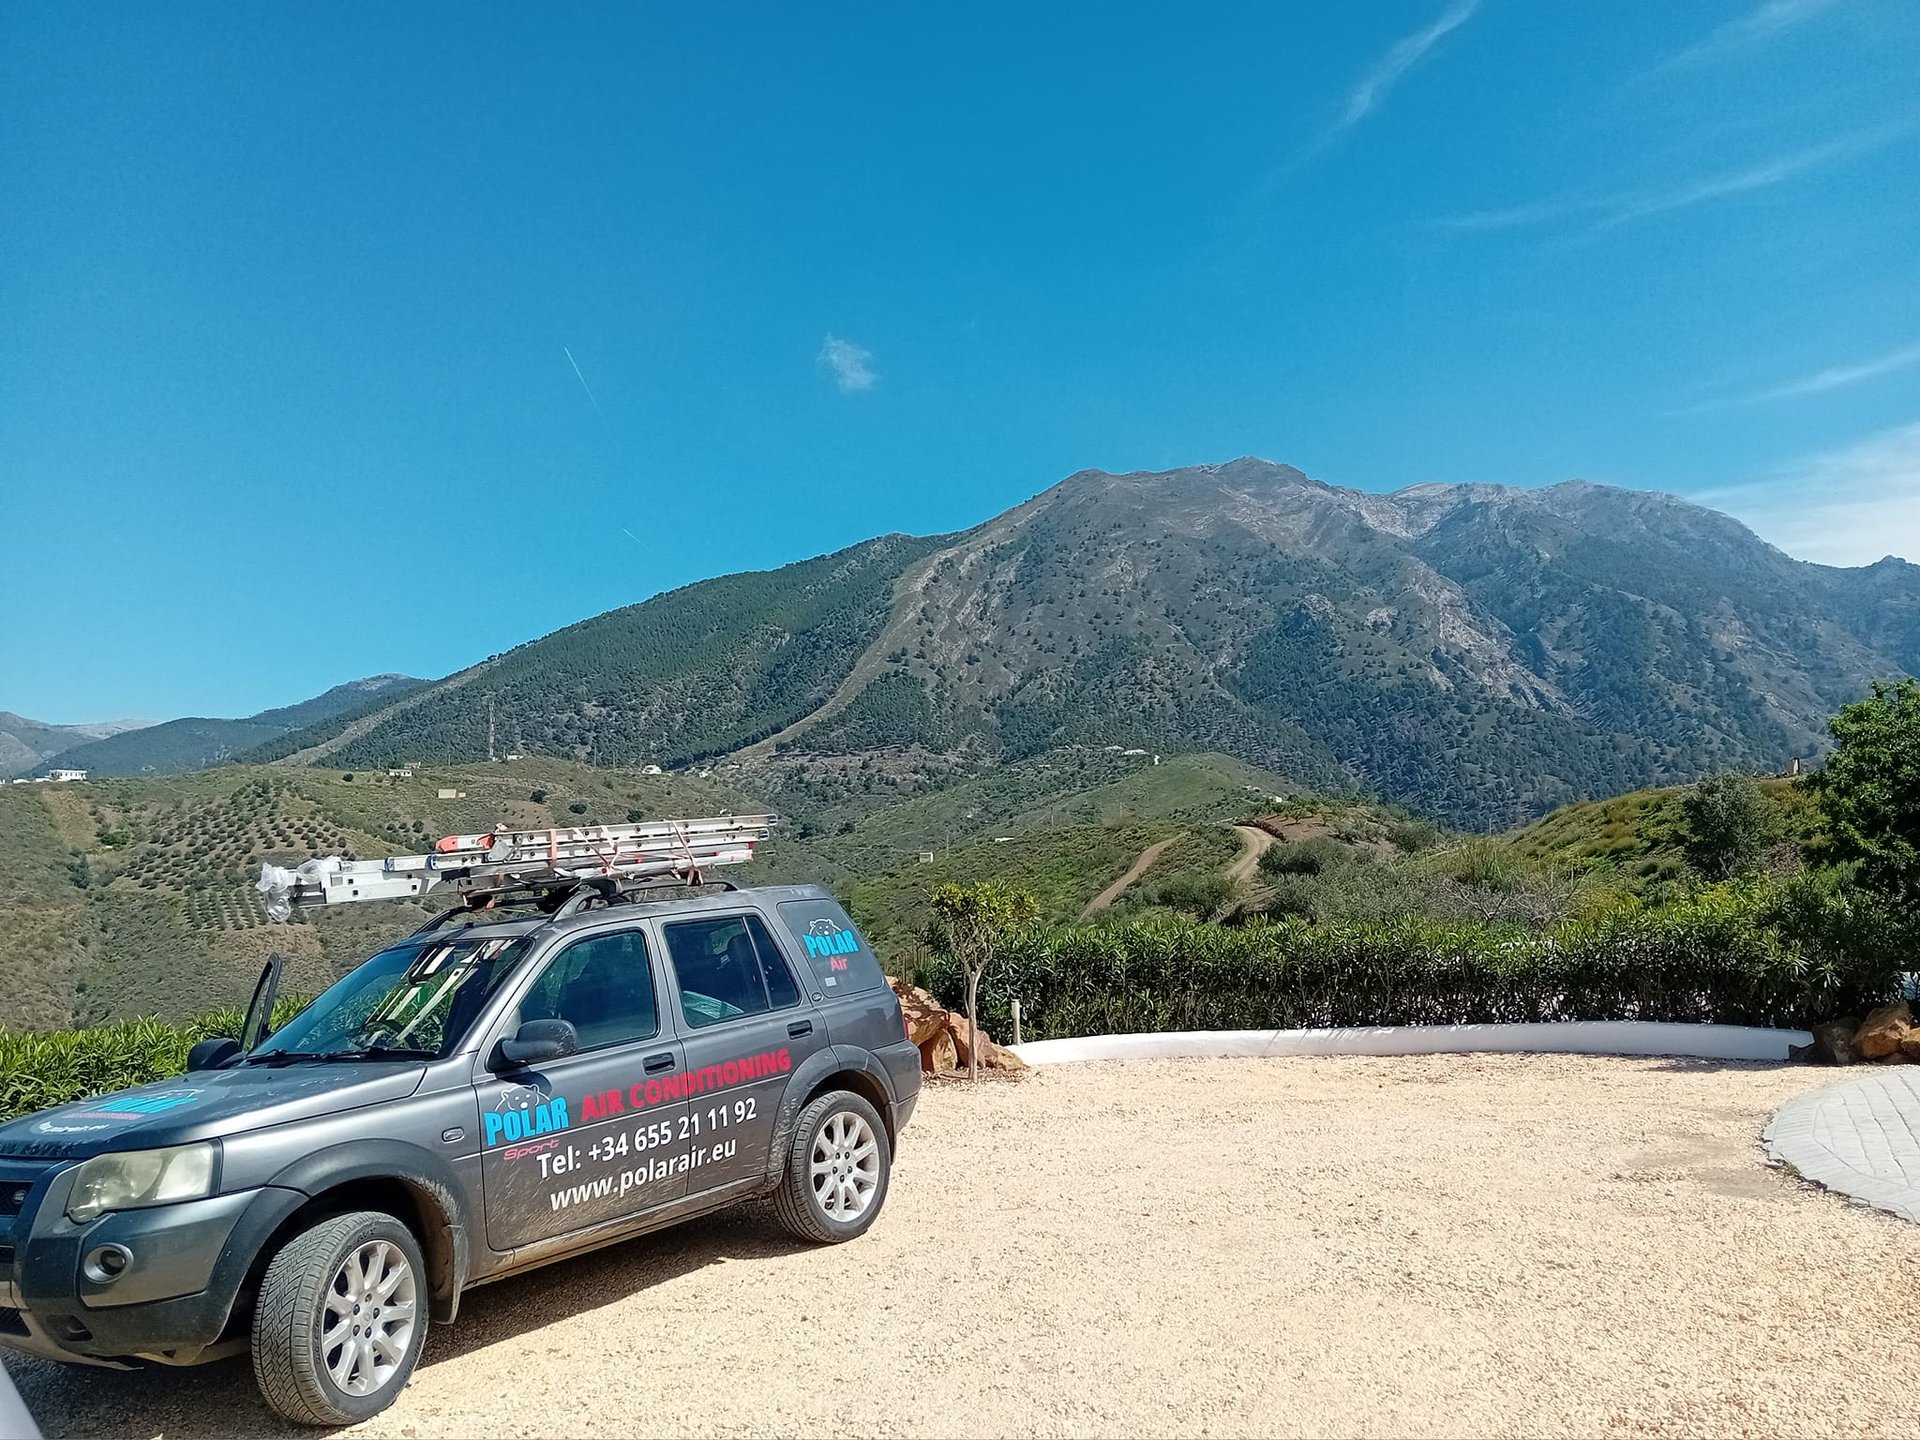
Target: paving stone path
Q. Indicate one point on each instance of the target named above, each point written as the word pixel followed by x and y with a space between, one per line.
pixel 1859 1136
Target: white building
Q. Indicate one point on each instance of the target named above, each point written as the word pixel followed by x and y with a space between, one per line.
pixel 66 774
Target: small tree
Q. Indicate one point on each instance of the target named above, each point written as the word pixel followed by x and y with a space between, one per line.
pixel 1870 791
pixel 1726 824
pixel 969 922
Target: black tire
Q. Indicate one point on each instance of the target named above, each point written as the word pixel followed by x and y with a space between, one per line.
pixel 290 1362
pixel 801 1210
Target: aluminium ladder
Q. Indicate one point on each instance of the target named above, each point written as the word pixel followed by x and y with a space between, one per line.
pixel 477 866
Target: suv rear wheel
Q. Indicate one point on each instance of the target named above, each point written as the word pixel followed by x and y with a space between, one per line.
pixel 837 1170
pixel 340 1320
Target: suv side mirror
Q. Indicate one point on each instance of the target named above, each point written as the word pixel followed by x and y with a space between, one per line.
pixel 212 1054
pixel 535 1042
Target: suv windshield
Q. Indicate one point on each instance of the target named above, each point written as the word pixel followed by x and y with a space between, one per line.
pixel 417 1000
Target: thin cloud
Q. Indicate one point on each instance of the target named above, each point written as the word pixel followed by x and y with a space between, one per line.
pixel 1409 51
pixel 1834 377
pixel 1755 27
pixel 1756 177
pixel 1623 207
pixel 1850 506
pixel 851 365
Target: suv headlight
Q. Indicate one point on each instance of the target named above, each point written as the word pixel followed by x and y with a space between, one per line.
pixel 133 1178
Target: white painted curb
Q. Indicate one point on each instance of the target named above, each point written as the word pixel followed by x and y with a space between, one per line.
pixel 1573 1037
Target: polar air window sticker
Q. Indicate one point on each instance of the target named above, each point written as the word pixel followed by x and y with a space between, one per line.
pixel 524 1113
pixel 827 939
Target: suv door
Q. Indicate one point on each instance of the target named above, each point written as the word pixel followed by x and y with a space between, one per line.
pixel 597 1135
pixel 747 1027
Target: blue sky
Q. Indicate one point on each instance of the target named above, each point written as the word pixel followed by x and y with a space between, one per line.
pixel 359 338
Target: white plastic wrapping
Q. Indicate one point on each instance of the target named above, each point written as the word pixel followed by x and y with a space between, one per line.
pixel 278 884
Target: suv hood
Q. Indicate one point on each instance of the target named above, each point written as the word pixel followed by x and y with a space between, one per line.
pixel 205 1104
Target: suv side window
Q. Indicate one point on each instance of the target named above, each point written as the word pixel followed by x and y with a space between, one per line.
pixel 602 986
pixel 728 967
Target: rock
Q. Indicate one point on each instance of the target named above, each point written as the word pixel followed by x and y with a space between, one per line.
pixel 938 1056
pixel 1910 1047
pixel 962 1034
pixel 1833 1041
pixel 926 1016
pixel 992 1056
pixel 1005 1059
pixel 1881 1033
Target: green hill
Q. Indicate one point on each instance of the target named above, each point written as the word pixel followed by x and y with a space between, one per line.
pixel 1635 839
pixel 134 896
pixel 177 746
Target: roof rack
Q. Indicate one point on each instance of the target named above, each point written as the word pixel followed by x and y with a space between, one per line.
pixel 526 864
pixel 559 901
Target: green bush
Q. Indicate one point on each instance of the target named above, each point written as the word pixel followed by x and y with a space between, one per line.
pixel 1308 857
pixel 1747 954
pixel 52 1067
pixel 1199 895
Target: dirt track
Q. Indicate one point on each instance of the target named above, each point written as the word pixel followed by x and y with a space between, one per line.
pixel 1254 842
pixel 1448 1245
pixel 1142 863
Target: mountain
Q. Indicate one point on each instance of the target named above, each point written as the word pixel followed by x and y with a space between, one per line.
pixel 26 744
pixel 1479 653
pixel 195 743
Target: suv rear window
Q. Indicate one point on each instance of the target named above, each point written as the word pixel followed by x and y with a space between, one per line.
pixel 728 967
pixel 836 952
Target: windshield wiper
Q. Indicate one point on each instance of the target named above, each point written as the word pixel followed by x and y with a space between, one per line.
pixel 368 1052
pixel 383 1052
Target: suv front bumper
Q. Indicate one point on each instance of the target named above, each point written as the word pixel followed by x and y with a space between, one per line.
pixel 186 1264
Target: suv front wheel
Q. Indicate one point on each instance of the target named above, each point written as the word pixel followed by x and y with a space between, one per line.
pixel 340 1320
pixel 837 1170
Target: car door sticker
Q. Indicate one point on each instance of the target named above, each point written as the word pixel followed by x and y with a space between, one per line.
pixel 631 1157
pixel 523 1111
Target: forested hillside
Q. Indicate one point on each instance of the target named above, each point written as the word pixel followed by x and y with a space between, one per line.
pixel 177 746
pixel 690 674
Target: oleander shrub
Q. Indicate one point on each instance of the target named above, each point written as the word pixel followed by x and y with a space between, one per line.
pixel 1741 953
pixel 39 1068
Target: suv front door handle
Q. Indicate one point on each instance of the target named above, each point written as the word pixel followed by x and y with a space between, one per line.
pixel 654 1064
pixel 799 1028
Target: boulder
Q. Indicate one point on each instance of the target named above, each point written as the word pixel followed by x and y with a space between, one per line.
pixel 1882 1031
pixel 926 1016
pixel 1833 1042
pixel 992 1056
pixel 1005 1059
pixel 938 1056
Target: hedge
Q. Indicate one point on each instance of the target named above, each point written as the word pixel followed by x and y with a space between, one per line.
pixel 51 1067
pixel 1729 955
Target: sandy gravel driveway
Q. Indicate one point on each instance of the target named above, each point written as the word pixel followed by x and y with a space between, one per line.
pixel 1445 1245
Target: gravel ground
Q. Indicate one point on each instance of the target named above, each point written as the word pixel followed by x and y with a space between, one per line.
pixel 1486 1245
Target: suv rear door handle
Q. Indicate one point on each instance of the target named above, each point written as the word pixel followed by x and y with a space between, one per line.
pixel 799 1028
pixel 654 1064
